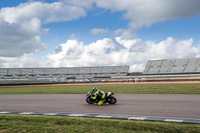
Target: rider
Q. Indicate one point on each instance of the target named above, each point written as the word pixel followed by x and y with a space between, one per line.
pixel 99 95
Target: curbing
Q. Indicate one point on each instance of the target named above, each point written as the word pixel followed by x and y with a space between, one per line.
pixel 110 116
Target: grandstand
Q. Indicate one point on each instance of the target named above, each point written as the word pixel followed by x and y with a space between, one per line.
pixel 49 74
pixel 173 66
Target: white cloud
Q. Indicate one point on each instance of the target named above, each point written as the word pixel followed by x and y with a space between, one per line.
pixel 147 12
pixel 46 12
pixel 19 62
pixel 96 31
pixel 28 62
pixel 124 33
pixel 119 51
pixel 7 62
pixel 20 27
pixel 118 31
pixel 82 3
pixel 18 39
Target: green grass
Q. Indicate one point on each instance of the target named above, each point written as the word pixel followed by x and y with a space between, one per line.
pixel 40 124
pixel 118 89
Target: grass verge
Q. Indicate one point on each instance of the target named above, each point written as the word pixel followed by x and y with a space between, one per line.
pixel 39 123
pixel 118 89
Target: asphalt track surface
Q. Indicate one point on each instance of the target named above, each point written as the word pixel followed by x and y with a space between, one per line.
pixel 156 105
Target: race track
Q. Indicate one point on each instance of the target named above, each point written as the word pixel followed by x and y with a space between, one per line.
pixel 159 105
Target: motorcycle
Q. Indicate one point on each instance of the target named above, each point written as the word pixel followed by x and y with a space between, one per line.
pixel 109 98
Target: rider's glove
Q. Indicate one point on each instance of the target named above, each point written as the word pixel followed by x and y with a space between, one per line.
pixel 93 97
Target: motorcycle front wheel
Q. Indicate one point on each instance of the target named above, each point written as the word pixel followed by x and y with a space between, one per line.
pixel 112 100
pixel 90 101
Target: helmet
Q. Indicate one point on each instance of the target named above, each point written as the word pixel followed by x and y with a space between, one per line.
pixel 94 89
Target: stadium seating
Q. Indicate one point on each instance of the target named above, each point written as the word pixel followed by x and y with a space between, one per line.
pixel 84 70
pixel 173 66
pixel 26 71
pixel 63 72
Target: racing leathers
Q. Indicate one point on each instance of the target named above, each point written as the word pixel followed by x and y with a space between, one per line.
pixel 99 95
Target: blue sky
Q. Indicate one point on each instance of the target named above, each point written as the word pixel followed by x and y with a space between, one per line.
pixel 73 33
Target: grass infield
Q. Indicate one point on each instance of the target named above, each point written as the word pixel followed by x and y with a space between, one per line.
pixel 118 89
pixel 40 124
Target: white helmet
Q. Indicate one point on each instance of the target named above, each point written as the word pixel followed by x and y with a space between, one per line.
pixel 94 89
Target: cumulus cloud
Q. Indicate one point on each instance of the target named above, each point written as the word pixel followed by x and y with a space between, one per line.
pixel 7 62
pixel 147 12
pixel 16 62
pixel 96 31
pixel 46 12
pixel 20 27
pixel 125 33
pixel 119 51
pixel 143 13
pixel 17 39
pixel 82 3
pixel 28 62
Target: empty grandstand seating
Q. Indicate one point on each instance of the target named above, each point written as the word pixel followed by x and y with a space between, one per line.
pixel 38 71
pixel 192 65
pixel 95 70
pixel 26 71
pixel 73 70
pixel 84 70
pixel 166 65
pixel 173 66
pixel 62 72
pixel 107 69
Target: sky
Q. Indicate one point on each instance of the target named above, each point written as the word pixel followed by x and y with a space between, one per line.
pixel 82 33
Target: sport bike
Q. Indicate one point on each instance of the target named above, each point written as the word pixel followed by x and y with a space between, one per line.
pixel 109 98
